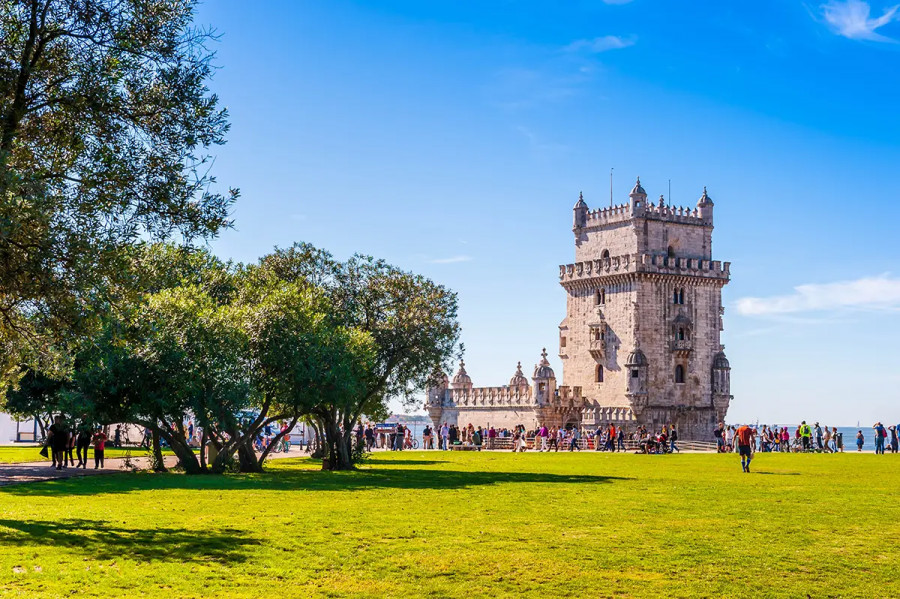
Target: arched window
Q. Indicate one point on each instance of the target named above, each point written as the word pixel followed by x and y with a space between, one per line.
pixel 681 296
pixel 605 255
pixel 681 334
pixel 600 297
pixel 679 374
pixel 675 297
pixel 670 252
pixel 599 374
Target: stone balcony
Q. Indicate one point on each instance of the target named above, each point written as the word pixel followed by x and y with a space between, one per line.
pixel 682 346
pixel 597 347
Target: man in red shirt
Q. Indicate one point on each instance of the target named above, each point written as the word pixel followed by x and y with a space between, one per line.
pixel 744 439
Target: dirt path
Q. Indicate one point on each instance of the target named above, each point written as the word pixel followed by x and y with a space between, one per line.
pixel 31 472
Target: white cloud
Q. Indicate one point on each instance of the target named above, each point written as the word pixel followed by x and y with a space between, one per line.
pixel 869 293
pixel 600 44
pixel 451 260
pixel 850 18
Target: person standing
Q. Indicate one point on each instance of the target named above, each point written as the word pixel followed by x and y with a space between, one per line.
pixel 744 438
pixel 826 439
pixel 673 437
pixel 543 433
pixel 880 434
pixel 99 446
pixel 370 436
pixel 805 436
pixel 860 440
pixel 894 441
pixel 58 440
pixel 82 442
pixel 819 437
pixel 445 434
pixel 719 434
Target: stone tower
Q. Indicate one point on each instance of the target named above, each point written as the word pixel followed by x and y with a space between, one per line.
pixel 644 315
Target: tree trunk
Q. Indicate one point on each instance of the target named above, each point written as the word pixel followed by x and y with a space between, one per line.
pixel 247 457
pixel 337 456
pixel 186 456
pixel 159 464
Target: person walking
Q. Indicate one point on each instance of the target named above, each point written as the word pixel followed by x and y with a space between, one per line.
pixel 673 437
pixel 576 437
pixel 99 445
pixel 543 433
pixel 744 437
pixel 826 440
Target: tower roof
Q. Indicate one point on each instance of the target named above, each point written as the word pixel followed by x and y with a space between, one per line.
pixel 636 358
pixel 580 203
pixel 518 379
pixel 543 370
pixel 705 200
pixel 461 377
pixel 638 190
pixel 720 362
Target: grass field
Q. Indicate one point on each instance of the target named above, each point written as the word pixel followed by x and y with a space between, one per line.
pixel 17 455
pixel 466 525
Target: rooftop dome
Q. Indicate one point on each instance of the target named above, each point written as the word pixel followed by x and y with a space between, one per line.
pixel 704 199
pixel 518 379
pixel 720 362
pixel 638 190
pixel 636 358
pixel 461 378
pixel 543 370
pixel 580 203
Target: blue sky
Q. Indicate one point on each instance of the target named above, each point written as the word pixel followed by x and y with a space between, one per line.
pixel 453 137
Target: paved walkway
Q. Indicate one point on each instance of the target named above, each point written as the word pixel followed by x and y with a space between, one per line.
pixel 32 472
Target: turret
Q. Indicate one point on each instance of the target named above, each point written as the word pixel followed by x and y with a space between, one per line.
pixel 638 199
pixel 581 211
pixel 705 205
pixel 637 368
pixel 544 380
pixel 721 384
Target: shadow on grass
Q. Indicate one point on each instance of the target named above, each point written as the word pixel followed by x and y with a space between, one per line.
pixel 307 480
pixel 103 541
pixel 778 473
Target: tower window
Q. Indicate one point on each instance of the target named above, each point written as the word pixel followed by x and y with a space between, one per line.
pixel 681 334
pixel 562 341
pixel 679 374
pixel 670 252
pixel 605 255
pixel 635 373
pixel 599 374
pixel 600 297
pixel 678 296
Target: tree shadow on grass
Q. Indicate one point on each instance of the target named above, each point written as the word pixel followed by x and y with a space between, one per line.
pixel 307 480
pixel 104 541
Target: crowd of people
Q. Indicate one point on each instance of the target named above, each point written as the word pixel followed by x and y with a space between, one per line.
pixel 66 440
pixel 805 438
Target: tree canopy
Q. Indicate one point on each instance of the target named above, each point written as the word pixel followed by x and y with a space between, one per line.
pixel 106 126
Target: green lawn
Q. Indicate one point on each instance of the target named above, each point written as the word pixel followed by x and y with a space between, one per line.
pixel 466 525
pixel 16 455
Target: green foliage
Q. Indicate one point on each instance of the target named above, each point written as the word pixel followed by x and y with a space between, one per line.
pixel 106 124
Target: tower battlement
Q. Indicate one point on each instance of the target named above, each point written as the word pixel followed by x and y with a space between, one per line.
pixel 644 263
